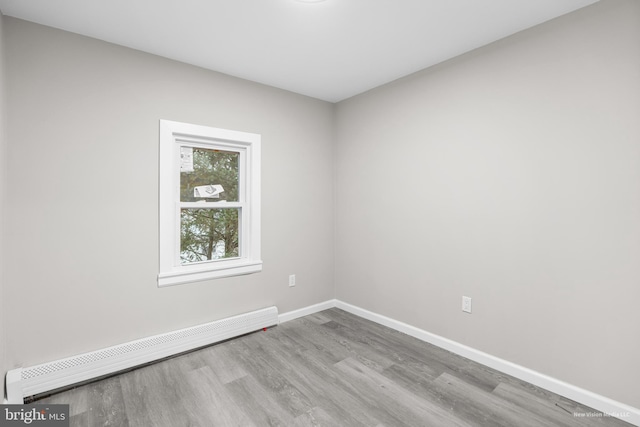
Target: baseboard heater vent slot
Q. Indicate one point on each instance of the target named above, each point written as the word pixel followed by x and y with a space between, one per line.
pixel 24 382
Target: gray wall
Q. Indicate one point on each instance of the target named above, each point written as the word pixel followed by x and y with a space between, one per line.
pixel 512 175
pixel 2 203
pixel 82 236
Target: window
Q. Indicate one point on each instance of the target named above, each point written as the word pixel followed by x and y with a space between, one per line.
pixel 209 203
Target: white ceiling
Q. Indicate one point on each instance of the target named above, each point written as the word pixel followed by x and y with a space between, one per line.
pixel 330 50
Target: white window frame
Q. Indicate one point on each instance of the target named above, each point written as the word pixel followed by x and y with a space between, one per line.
pixel 173 135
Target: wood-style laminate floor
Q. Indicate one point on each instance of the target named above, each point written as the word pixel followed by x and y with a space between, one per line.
pixel 326 369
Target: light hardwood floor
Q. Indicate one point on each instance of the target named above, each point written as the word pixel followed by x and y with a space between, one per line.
pixel 326 369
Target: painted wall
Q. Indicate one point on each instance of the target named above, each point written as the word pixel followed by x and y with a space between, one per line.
pixel 512 175
pixel 2 202
pixel 82 238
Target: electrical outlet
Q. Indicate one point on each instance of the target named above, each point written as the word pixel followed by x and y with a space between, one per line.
pixel 292 280
pixel 466 304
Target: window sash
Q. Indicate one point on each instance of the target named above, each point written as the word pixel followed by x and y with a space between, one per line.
pixel 243 217
pixel 222 146
pixel 179 261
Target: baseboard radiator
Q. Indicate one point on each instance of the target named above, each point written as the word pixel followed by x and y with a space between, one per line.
pixel 34 380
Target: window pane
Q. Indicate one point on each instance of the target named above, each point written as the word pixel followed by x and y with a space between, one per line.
pixel 207 174
pixel 208 234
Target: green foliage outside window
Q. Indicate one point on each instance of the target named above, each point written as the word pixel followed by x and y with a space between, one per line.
pixel 210 231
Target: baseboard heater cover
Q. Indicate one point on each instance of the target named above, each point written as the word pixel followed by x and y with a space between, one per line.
pixel 30 381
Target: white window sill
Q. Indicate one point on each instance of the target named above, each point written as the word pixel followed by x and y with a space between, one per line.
pixel 187 275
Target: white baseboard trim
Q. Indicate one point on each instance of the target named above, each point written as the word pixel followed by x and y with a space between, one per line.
pixel 603 404
pixel 305 311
